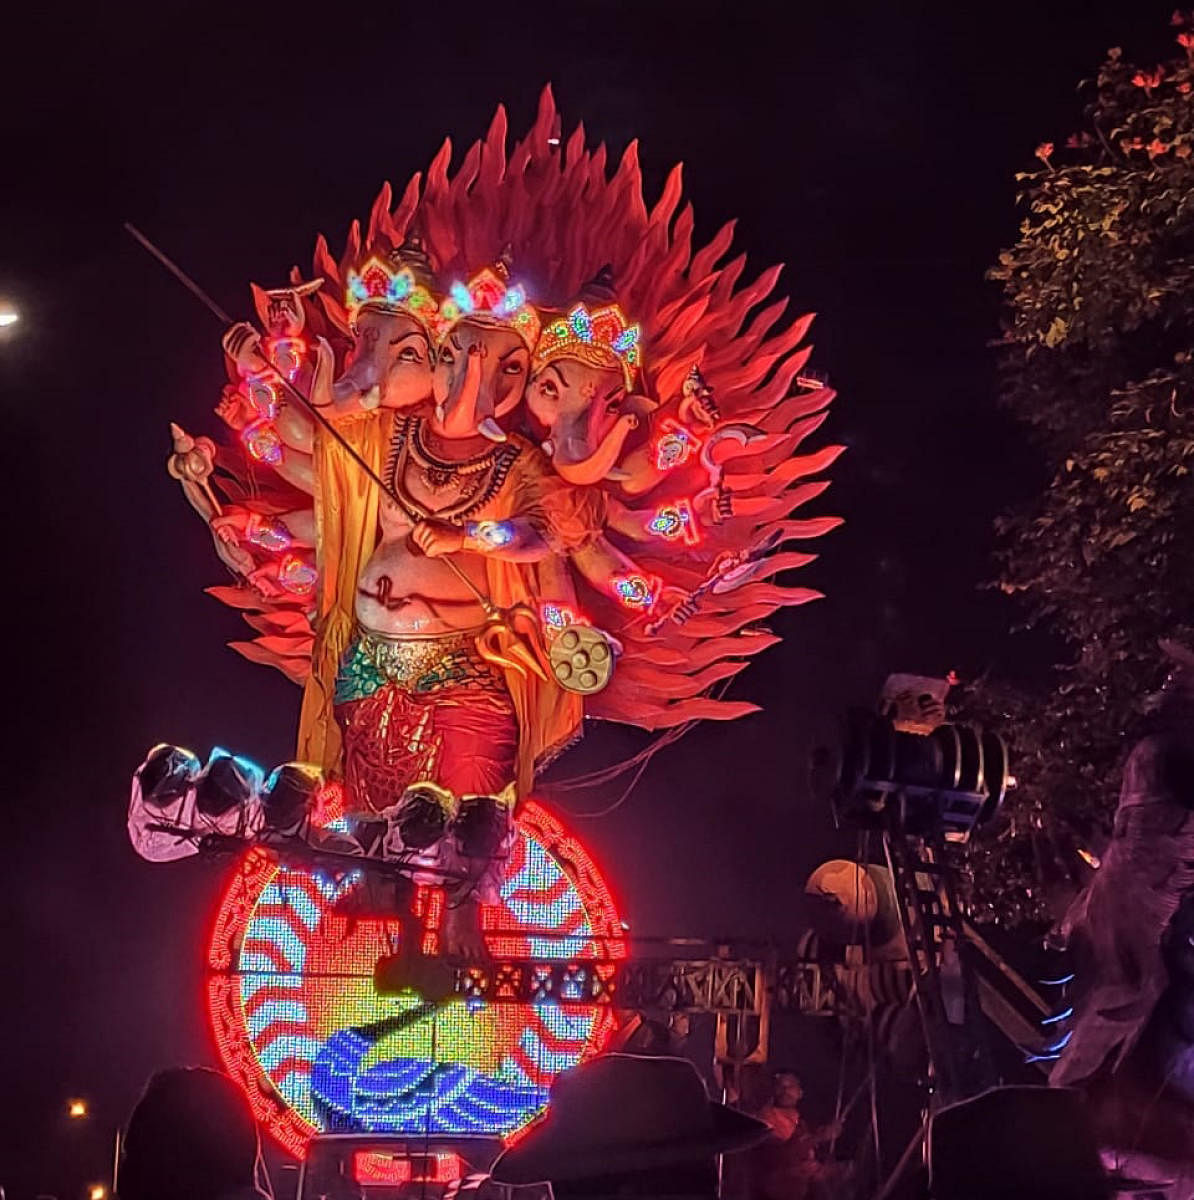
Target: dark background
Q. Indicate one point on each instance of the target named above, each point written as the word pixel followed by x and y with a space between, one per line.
pixel 871 148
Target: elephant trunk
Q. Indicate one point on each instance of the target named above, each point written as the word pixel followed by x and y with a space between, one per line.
pixel 591 470
pixel 460 416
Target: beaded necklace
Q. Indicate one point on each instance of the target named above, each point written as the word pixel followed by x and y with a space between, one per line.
pixel 478 479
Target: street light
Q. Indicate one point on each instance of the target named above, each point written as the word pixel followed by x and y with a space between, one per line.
pixel 8 317
pixel 97 1191
pixel 76 1109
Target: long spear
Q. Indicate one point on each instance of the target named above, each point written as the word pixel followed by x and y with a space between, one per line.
pixel 303 401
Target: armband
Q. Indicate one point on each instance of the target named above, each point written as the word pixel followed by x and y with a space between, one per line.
pixel 269 535
pixel 262 442
pixel 489 535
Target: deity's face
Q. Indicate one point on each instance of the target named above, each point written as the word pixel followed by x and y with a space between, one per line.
pixel 577 398
pixel 391 353
pixel 480 375
pixel 583 408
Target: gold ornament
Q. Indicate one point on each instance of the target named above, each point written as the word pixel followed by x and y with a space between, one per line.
pixel 582 659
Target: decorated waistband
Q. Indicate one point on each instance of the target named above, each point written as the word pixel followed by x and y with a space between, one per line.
pixel 419 665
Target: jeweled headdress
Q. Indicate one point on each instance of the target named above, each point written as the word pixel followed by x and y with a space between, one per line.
pixel 601 338
pixel 489 300
pixel 391 287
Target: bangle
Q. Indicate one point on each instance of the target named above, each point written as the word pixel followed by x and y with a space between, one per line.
pixel 489 535
pixel 262 442
pixel 269 535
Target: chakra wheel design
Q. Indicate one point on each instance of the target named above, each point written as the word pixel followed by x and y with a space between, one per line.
pixel 300 1026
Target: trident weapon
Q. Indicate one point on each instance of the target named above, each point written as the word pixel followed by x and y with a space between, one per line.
pixel 498 620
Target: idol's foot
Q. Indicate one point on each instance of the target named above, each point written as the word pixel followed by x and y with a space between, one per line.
pixel 462 931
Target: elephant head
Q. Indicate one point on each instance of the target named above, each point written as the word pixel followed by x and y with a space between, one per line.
pixel 483 358
pixel 389 365
pixel 391 317
pixel 587 416
pixel 585 367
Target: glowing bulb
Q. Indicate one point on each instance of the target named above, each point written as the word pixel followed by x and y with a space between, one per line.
pixel 8 317
pixel 97 1191
pixel 77 1108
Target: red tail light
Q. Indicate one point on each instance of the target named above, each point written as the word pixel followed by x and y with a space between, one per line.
pixel 376 1168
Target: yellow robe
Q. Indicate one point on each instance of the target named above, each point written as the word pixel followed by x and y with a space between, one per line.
pixel 346 515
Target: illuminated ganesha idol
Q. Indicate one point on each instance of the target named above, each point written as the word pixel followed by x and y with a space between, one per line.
pixel 519 456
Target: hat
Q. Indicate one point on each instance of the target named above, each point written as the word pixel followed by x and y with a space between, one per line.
pixel 620 1113
pixel 1019 1141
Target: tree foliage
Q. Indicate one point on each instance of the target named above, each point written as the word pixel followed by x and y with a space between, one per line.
pixel 1097 359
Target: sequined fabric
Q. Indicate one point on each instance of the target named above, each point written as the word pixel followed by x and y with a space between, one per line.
pixel 422 709
pixel 419 665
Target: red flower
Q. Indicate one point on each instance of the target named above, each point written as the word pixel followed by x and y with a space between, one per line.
pixel 1044 152
pixel 1185 40
pixel 1178 18
pixel 1182 151
pixel 1148 79
pixel 1184 86
pixel 1155 147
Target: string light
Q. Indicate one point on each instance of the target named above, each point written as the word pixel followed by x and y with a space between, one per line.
pixel 676 522
pixel 291 994
pixel 675 445
pixel 269 535
pixel 637 591
pixel 262 442
pixel 391 289
pixel 287 354
pixel 297 575
pixel 262 397
pixel 557 617
pixel 486 296
pixel 601 338
pixel 491 534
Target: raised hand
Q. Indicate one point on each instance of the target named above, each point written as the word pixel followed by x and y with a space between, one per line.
pixel 242 344
pixel 234 409
pixel 437 538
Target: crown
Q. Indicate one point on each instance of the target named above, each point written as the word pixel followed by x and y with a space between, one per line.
pixel 391 287
pixel 601 338
pixel 489 300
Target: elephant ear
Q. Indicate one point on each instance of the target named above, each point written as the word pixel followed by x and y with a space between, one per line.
pixel 639 405
pixel 261 302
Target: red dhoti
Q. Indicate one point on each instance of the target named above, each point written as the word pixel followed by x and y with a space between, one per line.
pixel 412 710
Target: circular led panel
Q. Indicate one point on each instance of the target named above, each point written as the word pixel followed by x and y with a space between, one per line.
pixel 299 1024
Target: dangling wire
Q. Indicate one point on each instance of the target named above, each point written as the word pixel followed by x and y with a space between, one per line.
pixel 859 868
pixel 639 761
pixel 590 779
pixel 865 854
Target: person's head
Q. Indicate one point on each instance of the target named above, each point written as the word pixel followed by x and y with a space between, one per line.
pixel 680 1025
pixel 624 1126
pixel 789 1091
pixel 191 1136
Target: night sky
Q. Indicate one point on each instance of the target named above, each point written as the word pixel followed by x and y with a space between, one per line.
pixel 869 149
